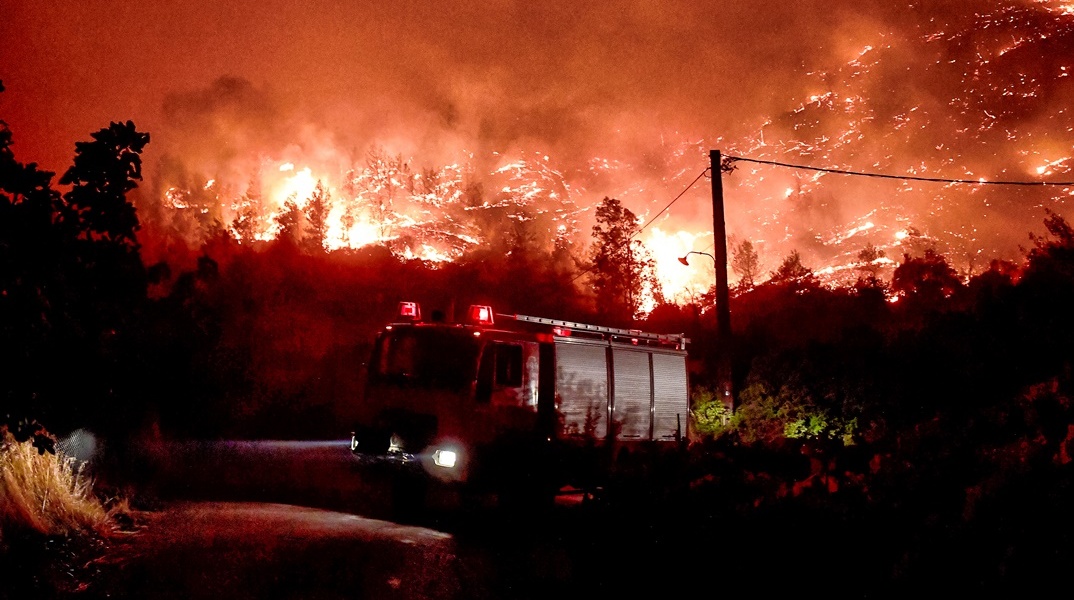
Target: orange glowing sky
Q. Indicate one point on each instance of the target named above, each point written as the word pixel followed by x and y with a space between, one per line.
pixel 494 71
pixel 623 100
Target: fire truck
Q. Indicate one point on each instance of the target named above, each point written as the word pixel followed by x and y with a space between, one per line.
pixel 516 404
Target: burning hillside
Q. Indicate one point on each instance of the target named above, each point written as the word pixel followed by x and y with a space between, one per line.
pixel 949 92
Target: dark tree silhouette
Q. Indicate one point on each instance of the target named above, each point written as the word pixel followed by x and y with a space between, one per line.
pixel 247 221
pixel 316 212
pixel 791 270
pixel 1062 234
pixel 621 267
pixel 30 277
pixel 746 263
pixel 928 279
pixel 76 284
pixel 104 171
pixel 867 265
pixel 290 222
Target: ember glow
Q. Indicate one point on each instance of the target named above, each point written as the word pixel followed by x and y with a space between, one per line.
pixel 438 129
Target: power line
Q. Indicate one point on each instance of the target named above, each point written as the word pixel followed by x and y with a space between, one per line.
pixel 673 201
pixel 900 177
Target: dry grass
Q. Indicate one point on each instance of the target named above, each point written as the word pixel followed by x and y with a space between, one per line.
pixel 46 493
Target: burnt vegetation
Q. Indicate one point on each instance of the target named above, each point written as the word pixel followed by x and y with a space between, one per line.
pixel 884 434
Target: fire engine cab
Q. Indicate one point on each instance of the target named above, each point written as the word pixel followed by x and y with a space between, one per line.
pixel 508 401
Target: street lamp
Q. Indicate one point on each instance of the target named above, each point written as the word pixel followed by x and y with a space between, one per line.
pixel 683 260
pixel 724 324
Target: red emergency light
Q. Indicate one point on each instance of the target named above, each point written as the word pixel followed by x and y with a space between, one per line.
pixel 410 310
pixel 480 315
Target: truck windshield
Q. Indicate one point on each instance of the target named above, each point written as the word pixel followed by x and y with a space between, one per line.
pixel 433 357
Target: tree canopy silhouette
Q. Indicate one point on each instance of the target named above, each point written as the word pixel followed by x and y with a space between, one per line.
pixel 746 263
pixel 622 269
pixel 73 281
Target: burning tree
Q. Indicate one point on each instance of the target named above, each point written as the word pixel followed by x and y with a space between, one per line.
pixel 385 181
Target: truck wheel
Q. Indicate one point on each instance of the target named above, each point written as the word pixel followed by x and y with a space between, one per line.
pixel 526 500
pixel 408 498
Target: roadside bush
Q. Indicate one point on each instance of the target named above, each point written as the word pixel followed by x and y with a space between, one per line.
pixel 44 492
pixel 711 417
pixel 769 414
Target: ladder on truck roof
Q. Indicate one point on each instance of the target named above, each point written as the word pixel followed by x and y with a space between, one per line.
pixel 678 339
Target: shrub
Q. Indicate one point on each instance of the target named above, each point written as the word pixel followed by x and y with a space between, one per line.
pixel 710 415
pixel 819 426
pixel 788 412
pixel 45 492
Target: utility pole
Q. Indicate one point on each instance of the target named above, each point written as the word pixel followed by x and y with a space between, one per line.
pixel 719 249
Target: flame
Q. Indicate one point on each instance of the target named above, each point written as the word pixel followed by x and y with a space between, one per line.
pixel 299 186
pixel 360 233
pixel 428 253
pixel 680 282
pixel 174 198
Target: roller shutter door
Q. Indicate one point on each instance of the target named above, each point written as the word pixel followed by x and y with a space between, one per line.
pixel 582 388
pixel 633 394
pixel 672 402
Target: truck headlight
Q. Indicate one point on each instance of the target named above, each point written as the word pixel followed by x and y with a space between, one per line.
pixel 444 458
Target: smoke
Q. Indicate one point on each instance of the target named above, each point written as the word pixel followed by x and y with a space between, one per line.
pixel 627 101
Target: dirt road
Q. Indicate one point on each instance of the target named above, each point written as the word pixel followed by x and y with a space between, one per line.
pixel 293 520
pixel 235 550
pixel 257 550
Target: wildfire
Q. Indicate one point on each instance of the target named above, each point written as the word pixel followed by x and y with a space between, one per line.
pixel 979 96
